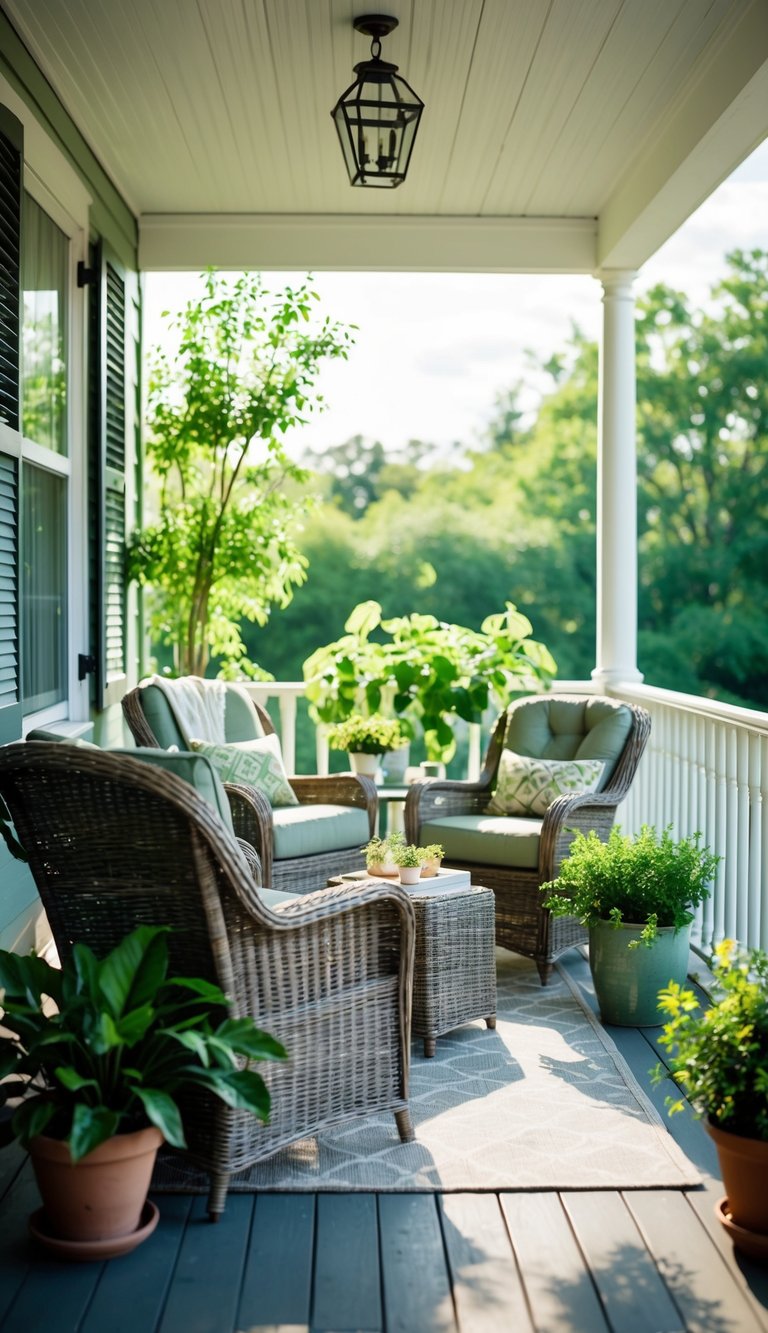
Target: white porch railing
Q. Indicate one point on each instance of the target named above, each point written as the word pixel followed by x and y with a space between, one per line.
pixel 705 768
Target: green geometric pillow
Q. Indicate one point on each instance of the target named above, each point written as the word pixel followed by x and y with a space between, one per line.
pixel 256 763
pixel 526 786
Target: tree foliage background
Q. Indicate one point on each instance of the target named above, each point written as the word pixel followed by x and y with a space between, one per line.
pixel 514 520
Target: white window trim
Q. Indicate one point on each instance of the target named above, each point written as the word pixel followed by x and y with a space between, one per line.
pixel 56 187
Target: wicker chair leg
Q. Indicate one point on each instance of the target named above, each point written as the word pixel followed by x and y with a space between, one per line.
pixel 404 1126
pixel 490 1022
pixel 545 970
pixel 217 1194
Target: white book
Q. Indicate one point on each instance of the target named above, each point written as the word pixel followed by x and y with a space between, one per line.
pixel 445 881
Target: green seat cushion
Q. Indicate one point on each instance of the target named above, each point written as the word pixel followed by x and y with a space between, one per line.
pixel 308 830
pixel 241 721
pixel 194 769
pixel 589 728
pixel 274 897
pixel 255 763
pixel 526 786
pixel 490 840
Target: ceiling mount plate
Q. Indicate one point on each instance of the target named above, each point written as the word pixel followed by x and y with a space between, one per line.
pixel 375 25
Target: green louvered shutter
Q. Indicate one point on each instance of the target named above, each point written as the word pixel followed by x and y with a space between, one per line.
pixel 107 479
pixel 11 160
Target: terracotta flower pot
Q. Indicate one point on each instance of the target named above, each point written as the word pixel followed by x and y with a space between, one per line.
pixel 387 869
pixel 744 1168
pixel 430 869
pixel 101 1197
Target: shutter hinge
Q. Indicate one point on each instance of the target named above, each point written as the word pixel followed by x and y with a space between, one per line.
pixel 86 663
pixel 85 275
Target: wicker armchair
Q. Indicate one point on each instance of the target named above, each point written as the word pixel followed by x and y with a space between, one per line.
pixel 151 723
pixel 113 844
pixel 522 924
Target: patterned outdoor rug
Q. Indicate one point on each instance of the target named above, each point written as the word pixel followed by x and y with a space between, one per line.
pixel 544 1102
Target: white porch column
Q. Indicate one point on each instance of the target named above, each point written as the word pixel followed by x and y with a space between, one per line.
pixel 616 647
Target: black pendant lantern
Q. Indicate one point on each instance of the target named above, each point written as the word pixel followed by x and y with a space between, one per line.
pixel 378 116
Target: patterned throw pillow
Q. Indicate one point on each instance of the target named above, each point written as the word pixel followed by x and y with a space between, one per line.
pixel 256 763
pixel 526 786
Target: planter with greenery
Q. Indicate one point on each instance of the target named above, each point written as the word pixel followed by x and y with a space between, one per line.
pixel 366 739
pixel 98 1053
pixel 718 1054
pixel 432 859
pixel 379 855
pixel 429 671
pixel 637 897
pixel 409 860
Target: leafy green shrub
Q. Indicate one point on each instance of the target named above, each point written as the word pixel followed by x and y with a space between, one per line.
pixel 124 1040
pixel 649 880
pixel 719 1054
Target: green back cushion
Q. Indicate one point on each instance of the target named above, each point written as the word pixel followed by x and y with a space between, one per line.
pixel 241 721
pixel 194 769
pixel 595 728
pixel 256 763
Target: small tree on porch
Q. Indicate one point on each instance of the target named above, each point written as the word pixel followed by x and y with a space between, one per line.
pixel 220 547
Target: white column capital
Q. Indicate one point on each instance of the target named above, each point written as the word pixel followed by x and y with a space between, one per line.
pixel 617 283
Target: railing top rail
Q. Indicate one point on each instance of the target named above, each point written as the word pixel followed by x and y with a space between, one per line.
pixel 751 719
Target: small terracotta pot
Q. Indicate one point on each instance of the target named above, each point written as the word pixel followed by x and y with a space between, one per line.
pixel 101 1196
pixel 386 868
pixel 410 874
pixel 744 1168
pixel 429 869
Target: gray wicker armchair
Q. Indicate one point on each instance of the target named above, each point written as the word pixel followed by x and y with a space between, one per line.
pixel 269 831
pixel 456 815
pixel 113 844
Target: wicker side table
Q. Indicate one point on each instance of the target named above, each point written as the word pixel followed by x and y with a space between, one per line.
pixel 454 970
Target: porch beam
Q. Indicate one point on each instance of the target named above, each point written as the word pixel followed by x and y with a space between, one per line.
pixel 616 647
pixel 180 241
pixel 719 118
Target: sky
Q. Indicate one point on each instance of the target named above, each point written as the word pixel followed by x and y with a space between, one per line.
pixel 433 351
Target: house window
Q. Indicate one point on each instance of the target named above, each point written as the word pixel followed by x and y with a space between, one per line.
pixel 45 467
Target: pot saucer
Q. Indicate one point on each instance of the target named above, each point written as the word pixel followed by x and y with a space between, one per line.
pixel 90 1250
pixel 752 1243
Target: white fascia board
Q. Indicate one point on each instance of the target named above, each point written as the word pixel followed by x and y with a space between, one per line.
pixel 341 243
pixel 718 121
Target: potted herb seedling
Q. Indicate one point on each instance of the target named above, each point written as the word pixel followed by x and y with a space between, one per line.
pixel 432 856
pixel 718 1054
pixel 366 739
pixel 408 859
pixel 379 855
pixel 97 1054
pixel 637 896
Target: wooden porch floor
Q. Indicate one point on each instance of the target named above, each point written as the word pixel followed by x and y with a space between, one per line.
pixel 646 1261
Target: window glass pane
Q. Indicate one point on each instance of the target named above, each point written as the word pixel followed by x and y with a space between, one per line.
pixel 44 324
pixel 44 584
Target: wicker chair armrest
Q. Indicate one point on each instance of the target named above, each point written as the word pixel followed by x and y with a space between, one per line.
pixel 341 898
pixel 252 822
pixel 436 798
pixel 339 789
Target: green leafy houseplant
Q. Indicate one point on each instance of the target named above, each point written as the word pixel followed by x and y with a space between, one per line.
pixel 123 1041
pixel 430 670
pixel 651 880
pixel 366 735
pixel 406 855
pixel 719 1054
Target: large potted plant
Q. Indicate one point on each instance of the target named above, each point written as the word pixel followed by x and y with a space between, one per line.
pixel 95 1055
pixel 637 897
pixel 428 671
pixel 366 739
pixel 718 1053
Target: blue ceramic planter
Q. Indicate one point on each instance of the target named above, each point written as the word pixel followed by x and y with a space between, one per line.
pixel 627 981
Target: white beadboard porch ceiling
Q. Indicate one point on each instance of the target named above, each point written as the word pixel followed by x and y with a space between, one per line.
pixel 591 128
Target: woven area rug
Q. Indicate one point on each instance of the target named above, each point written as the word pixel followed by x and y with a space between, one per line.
pixel 546 1102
